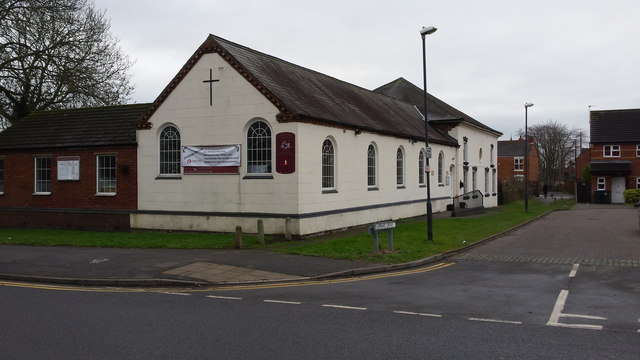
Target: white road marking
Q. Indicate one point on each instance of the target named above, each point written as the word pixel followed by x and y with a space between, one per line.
pixel 283 302
pixel 417 314
pixel 176 293
pixel 574 270
pixel 224 297
pixel 343 307
pixel 497 321
pixel 556 314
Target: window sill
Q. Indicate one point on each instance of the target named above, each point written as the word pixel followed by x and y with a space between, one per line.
pixel 330 191
pixel 42 193
pixel 257 177
pixel 169 177
pixel 423 186
pixel 373 189
pixel 106 194
pixel 401 187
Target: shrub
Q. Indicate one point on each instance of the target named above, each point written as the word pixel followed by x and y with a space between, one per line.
pixel 632 196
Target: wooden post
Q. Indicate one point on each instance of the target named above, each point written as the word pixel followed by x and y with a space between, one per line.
pixel 261 232
pixel 287 229
pixel 238 243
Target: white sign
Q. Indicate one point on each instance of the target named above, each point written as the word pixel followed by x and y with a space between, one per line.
pixel 384 225
pixel 428 152
pixel 196 156
pixel 68 168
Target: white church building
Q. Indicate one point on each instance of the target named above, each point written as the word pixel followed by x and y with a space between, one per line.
pixel 240 136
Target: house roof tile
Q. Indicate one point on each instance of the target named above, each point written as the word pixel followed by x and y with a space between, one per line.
pixel 100 126
pixel 615 126
pixel 305 95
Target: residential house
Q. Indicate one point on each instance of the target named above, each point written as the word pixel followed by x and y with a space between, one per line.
pixel 511 161
pixel 614 153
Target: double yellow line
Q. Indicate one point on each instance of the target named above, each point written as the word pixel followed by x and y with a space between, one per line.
pixel 383 275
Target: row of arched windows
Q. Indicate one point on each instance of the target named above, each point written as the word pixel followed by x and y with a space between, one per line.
pixel 259 157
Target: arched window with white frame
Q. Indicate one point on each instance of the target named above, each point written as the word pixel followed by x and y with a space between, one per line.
pixel 400 167
pixel 441 168
pixel 169 151
pixel 372 178
pixel 421 179
pixel 259 148
pixel 328 165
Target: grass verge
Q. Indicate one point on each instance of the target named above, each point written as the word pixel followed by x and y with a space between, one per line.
pixel 410 239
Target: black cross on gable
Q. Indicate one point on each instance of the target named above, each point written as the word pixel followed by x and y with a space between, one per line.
pixel 210 81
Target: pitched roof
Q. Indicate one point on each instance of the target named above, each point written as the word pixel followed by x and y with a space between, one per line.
pixel 615 126
pixel 309 96
pixel 439 111
pixel 100 126
pixel 512 148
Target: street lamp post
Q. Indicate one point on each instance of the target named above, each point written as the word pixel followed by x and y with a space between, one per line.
pixel 424 32
pixel 526 158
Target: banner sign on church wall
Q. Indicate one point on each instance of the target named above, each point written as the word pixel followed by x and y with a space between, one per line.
pixel 223 159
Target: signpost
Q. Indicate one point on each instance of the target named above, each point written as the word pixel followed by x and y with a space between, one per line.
pixel 387 226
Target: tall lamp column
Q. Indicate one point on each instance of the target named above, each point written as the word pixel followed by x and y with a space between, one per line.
pixel 424 32
pixel 526 158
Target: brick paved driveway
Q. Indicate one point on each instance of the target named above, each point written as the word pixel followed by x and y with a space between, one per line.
pixel 587 234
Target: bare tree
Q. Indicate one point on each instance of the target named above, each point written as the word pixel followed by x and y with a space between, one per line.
pixel 58 54
pixel 555 149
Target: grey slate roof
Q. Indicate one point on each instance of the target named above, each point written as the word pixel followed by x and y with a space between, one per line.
pixel 309 96
pixel 101 126
pixel 511 148
pixel 404 90
pixel 615 126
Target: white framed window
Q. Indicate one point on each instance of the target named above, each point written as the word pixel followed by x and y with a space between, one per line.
pixel 638 150
pixel 400 167
pixel 441 168
pixel 474 179
pixel 328 165
pixel 169 151
pixel 372 178
pixel 1 175
pixel 259 148
pixel 42 175
pixel 638 183
pixel 106 175
pixel 518 163
pixel 421 179
pixel 486 180
pixel 611 150
pixel 602 184
pixel 494 180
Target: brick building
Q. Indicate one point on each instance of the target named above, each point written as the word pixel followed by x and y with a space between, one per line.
pixel 70 169
pixel 511 164
pixel 614 153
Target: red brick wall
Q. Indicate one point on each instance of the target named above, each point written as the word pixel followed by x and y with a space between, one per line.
pixel 19 168
pixel 19 177
pixel 627 152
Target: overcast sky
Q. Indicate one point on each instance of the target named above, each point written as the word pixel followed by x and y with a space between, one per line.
pixel 487 59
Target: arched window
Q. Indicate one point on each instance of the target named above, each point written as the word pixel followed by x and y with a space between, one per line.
pixel 441 168
pixel 399 167
pixel 328 165
pixel 371 167
pixel 421 168
pixel 259 148
pixel 170 151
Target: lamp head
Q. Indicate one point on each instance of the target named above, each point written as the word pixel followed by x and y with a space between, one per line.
pixel 428 30
pixel 528 105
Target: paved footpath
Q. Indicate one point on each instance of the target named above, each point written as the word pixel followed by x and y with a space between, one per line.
pixel 589 234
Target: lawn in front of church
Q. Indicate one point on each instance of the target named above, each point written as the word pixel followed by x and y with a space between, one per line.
pixel 410 239
pixel 410 236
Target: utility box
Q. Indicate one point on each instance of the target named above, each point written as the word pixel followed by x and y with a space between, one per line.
pixel 602 197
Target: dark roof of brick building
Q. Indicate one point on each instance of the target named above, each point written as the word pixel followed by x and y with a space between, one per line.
pixel 512 148
pixel 439 111
pixel 615 126
pixel 100 126
pixel 308 96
